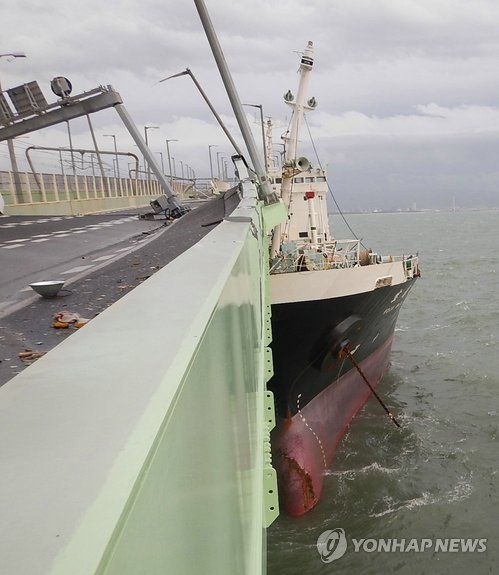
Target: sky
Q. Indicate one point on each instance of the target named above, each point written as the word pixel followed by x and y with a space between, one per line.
pixel 407 90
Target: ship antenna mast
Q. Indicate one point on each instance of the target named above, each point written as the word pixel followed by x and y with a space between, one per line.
pixel 300 104
pixel 294 165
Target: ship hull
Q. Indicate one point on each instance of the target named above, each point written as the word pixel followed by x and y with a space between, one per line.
pixel 318 390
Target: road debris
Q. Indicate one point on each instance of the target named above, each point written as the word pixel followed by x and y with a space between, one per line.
pixel 30 355
pixel 65 319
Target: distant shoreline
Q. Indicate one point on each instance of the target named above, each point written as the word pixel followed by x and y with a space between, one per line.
pixel 418 211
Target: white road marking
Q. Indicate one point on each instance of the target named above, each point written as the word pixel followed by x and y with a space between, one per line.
pixel 29 222
pixel 77 269
pixel 61 233
pixel 104 258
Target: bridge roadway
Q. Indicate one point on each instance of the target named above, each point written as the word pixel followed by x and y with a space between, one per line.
pixel 59 247
pixel 95 284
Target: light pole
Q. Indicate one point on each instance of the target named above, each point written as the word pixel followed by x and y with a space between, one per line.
pixel 218 164
pixel 187 72
pixel 71 148
pixel 182 168
pixel 117 170
pixel 222 158
pixel 211 163
pixel 283 152
pixel 147 144
pixel 169 158
pixel 263 133
pixel 10 143
pixel 162 162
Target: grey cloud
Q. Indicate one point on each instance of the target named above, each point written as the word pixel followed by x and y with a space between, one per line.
pixel 385 59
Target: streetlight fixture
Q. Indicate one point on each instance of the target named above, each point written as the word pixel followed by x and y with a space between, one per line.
pixel 211 163
pixel 117 169
pixel 147 144
pixel 10 143
pixel 169 159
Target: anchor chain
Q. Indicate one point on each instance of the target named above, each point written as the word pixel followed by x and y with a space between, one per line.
pixel 345 352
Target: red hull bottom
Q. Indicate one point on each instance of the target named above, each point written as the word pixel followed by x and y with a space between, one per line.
pixel 304 445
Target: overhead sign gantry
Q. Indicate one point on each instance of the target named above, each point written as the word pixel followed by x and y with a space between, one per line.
pixel 33 113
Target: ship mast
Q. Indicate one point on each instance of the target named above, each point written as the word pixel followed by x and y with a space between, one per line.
pixel 294 165
pixel 299 105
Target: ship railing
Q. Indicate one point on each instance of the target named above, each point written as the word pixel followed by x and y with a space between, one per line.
pixel 337 254
pixel 305 256
pixel 410 263
pixel 411 266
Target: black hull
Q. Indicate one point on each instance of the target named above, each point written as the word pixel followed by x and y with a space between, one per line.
pixel 308 335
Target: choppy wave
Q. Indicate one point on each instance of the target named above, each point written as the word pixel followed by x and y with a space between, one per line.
pixel 372 467
pixel 459 492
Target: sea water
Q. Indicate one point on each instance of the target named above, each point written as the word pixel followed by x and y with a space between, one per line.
pixel 436 478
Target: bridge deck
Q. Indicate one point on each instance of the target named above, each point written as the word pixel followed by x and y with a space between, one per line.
pixel 30 327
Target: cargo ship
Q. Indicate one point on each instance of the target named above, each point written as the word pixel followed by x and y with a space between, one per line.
pixel 334 308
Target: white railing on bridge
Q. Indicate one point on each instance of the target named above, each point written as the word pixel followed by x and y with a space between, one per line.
pixel 71 194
